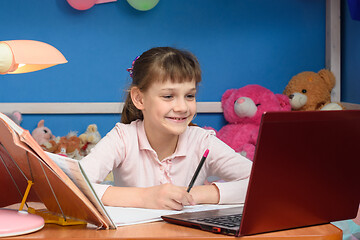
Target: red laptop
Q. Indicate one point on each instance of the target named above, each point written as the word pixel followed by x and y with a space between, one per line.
pixel 305 173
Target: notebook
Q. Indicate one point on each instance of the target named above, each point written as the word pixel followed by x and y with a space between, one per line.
pixel 305 172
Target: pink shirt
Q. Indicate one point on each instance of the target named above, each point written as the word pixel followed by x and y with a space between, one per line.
pixel 125 150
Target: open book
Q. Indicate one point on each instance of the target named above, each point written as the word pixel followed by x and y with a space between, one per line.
pixel 22 159
pixel 61 184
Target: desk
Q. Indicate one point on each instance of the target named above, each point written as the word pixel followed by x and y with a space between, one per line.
pixel 167 231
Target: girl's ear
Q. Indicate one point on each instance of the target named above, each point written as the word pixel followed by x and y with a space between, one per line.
pixel 137 98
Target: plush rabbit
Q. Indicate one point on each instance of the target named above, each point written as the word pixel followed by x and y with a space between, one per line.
pixel 42 134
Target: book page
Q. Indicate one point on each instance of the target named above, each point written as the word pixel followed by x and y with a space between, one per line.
pixel 72 168
pixel 123 216
pixel 19 130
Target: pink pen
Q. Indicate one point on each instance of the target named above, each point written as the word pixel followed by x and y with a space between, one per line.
pixel 201 163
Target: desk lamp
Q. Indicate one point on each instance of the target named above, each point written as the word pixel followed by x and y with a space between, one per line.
pixel 21 56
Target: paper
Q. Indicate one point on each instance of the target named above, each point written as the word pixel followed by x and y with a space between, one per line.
pixel 123 216
pixel 72 168
pixel 13 125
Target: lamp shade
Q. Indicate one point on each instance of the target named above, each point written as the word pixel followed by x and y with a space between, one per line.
pixel 21 56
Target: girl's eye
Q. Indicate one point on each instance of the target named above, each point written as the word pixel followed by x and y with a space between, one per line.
pixel 190 96
pixel 167 97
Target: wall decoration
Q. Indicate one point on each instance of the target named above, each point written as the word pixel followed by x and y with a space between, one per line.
pixel 86 4
pixel 143 5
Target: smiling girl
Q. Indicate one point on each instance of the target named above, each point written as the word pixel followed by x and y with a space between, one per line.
pixel 155 150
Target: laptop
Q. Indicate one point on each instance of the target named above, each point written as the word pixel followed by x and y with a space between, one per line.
pixel 305 172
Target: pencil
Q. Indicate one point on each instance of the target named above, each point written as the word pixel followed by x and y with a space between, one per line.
pixel 201 163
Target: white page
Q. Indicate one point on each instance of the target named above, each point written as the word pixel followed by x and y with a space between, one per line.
pixel 73 170
pixel 19 130
pixel 123 216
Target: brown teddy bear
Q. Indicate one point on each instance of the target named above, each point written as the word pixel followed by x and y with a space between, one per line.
pixel 309 91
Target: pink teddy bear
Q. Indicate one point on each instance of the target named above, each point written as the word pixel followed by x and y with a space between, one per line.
pixel 243 109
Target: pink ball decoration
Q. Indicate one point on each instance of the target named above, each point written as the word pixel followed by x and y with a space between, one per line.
pixel 81 4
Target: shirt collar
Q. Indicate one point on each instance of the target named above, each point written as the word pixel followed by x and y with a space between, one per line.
pixel 145 145
pixel 142 138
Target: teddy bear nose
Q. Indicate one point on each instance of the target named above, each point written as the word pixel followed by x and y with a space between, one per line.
pixel 240 100
pixel 291 96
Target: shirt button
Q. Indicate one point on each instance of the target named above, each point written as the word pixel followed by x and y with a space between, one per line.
pixel 161 168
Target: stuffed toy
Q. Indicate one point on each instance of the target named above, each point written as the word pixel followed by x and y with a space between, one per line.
pixel 42 134
pixel 69 146
pixel 16 116
pixel 89 139
pixel 51 145
pixel 310 91
pixel 243 109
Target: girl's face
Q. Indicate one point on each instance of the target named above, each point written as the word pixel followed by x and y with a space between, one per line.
pixel 168 107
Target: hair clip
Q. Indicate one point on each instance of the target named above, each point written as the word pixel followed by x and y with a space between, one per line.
pixel 130 70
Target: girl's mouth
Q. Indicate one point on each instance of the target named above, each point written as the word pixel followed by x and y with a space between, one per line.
pixel 177 119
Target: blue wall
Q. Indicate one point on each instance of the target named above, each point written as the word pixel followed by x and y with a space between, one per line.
pixel 243 42
pixel 350 88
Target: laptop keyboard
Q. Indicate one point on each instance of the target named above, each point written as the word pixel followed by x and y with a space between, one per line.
pixel 227 221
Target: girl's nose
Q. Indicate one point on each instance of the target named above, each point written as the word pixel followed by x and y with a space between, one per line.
pixel 181 106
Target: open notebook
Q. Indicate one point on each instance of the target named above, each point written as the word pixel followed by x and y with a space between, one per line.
pixel 305 172
pixel 120 216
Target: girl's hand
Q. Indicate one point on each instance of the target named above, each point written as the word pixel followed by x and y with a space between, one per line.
pixel 205 194
pixel 166 196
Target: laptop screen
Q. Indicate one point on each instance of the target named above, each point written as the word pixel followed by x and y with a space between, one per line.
pixel 305 171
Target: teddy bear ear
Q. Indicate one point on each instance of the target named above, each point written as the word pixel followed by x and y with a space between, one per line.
pixel 328 78
pixel 41 123
pixel 226 95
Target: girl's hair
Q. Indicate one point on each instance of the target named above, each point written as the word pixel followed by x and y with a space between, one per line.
pixel 159 64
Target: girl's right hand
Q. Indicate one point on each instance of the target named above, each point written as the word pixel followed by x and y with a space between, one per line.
pixel 167 196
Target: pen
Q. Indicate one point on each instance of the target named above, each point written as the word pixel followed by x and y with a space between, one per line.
pixel 198 170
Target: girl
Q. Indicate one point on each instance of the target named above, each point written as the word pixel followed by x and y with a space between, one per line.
pixel 154 151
